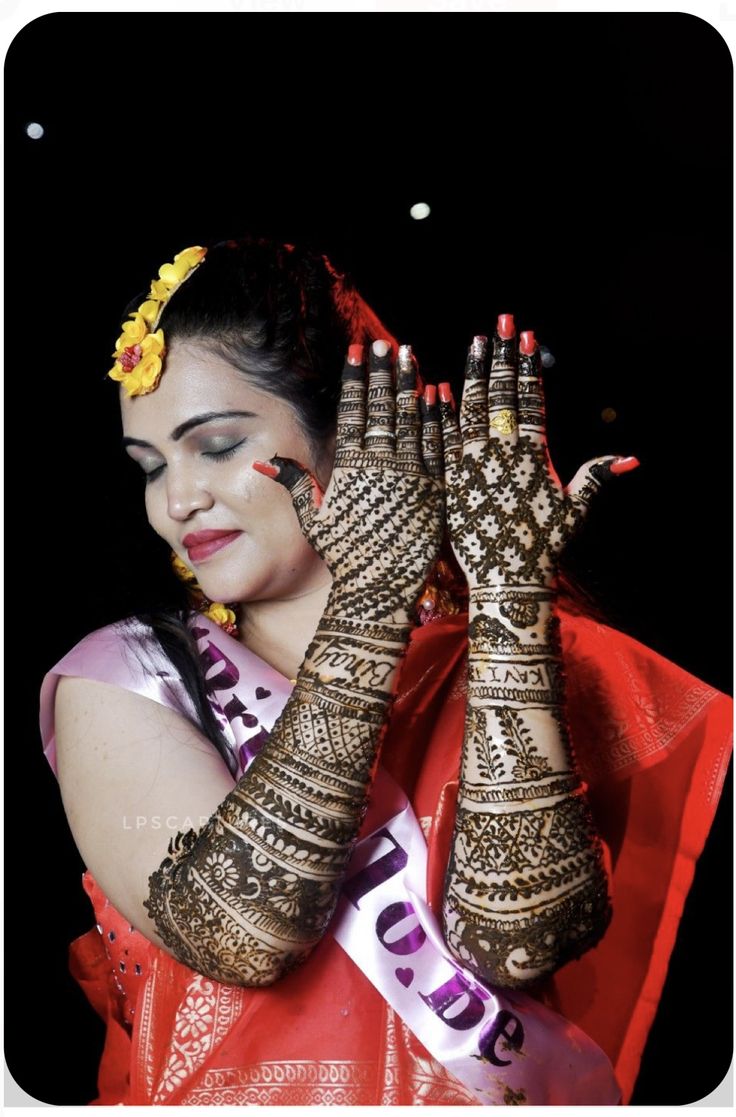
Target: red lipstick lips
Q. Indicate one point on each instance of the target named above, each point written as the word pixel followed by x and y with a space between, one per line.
pixel 201 544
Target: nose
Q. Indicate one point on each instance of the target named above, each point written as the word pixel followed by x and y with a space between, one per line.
pixel 186 493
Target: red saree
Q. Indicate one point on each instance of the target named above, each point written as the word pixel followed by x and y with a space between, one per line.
pixel 653 744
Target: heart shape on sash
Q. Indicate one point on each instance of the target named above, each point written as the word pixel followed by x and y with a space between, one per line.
pixel 405 976
pixel 261 692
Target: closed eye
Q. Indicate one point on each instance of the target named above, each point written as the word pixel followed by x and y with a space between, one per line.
pixel 219 455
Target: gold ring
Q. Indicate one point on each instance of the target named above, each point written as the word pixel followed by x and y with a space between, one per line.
pixel 504 422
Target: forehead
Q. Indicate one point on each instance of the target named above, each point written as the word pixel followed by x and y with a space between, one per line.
pixel 193 382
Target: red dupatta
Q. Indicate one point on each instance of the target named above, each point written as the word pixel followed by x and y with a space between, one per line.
pixel 653 744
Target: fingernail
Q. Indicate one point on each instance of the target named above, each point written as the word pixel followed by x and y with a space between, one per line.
pixel 527 342
pixel 445 393
pixel 380 347
pixel 624 465
pixel 430 395
pixel 505 327
pixel 316 494
pixel 355 354
pixel 266 468
pixel 478 347
pixel 405 361
pixel 407 377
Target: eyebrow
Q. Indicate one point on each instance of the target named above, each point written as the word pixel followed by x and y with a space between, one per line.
pixel 196 421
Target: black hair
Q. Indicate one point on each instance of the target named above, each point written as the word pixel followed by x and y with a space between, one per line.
pixel 285 317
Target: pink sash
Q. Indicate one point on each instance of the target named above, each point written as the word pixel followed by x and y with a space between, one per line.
pixel 504 1046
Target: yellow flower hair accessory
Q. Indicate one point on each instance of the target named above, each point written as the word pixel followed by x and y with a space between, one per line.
pixel 140 349
pixel 220 614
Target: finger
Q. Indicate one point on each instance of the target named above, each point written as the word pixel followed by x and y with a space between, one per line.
pixel 474 404
pixel 452 442
pixel 591 478
pixel 351 408
pixel 502 418
pixel 306 493
pixel 379 428
pixel 408 448
pixel 530 390
pixel 431 432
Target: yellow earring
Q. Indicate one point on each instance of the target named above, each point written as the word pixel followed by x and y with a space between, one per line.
pixel 222 615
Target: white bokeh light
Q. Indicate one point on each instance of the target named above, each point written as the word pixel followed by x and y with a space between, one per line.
pixel 419 211
pixel 34 130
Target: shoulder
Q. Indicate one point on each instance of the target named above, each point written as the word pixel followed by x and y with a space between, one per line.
pixel 124 657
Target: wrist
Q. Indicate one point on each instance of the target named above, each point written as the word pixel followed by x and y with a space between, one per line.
pixel 514 646
pixel 356 608
pixel 513 619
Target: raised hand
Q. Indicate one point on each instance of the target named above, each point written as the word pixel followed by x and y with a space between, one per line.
pixel 287 830
pixel 508 514
pixel 526 886
pixel 378 525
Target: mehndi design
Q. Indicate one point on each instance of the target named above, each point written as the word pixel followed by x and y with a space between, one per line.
pixel 246 898
pixel 526 887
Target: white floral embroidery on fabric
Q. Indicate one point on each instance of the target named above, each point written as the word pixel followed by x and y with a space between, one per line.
pixel 196 1018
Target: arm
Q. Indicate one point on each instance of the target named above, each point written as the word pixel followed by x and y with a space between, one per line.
pixel 526 888
pixel 247 896
pixel 250 895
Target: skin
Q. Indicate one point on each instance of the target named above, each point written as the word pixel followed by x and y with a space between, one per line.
pixel 526 885
pixel 248 896
pixel 271 566
pixel 347 573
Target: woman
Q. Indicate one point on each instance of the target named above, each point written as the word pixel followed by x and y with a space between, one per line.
pixel 304 476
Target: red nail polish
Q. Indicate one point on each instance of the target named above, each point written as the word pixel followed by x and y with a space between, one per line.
pixel 505 327
pixel 527 342
pixel 266 469
pixel 445 393
pixel 624 465
pixel 430 395
pixel 355 354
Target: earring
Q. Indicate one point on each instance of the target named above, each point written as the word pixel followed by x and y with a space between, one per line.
pixel 444 592
pixel 223 615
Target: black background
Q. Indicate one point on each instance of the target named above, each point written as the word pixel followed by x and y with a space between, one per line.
pixel 578 168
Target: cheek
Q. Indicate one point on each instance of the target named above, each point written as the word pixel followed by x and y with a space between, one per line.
pixel 159 520
pixel 152 503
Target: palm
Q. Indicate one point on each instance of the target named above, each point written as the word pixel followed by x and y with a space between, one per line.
pixel 378 525
pixel 508 515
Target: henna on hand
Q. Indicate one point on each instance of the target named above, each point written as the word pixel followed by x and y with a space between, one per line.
pixel 526 887
pixel 249 896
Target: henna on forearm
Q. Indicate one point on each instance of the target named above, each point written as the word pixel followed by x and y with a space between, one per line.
pixel 248 897
pixel 526 887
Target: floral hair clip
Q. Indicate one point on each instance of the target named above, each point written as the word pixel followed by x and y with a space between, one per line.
pixel 140 348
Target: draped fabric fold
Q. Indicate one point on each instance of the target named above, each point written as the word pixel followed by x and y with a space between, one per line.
pixel 652 742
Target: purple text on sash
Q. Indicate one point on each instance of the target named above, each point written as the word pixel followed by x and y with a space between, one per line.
pixel 503 1025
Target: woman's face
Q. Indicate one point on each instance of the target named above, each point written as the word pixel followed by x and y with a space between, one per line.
pixel 199 477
